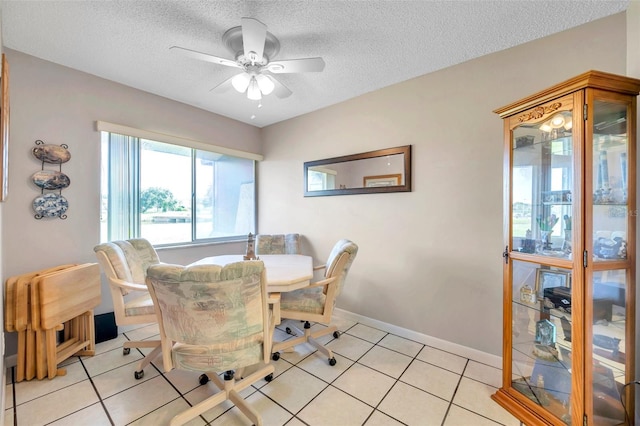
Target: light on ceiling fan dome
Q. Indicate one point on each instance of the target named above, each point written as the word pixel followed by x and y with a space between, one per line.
pixel 557 121
pixel 240 82
pixel 568 125
pixel 253 92
pixel 265 84
pixel 545 127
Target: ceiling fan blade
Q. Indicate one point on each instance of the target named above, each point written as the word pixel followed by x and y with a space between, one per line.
pixel 206 57
pixel 223 87
pixel 296 65
pixel 280 90
pixel 254 34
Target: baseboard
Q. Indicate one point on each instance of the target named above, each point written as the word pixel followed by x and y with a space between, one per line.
pixel 10 361
pixel 444 345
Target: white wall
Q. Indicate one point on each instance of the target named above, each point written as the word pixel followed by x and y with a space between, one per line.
pixel 59 105
pixel 429 260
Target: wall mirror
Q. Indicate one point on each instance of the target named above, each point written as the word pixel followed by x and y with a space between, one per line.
pixel 384 170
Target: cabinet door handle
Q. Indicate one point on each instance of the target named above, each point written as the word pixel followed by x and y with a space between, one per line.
pixel 506 254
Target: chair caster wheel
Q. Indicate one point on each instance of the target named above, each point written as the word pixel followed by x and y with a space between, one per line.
pixel 203 379
pixel 138 374
pixel 269 377
pixel 275 356
pixel 332 361
pixel 126 351
pixel 289 331
pixel 336 334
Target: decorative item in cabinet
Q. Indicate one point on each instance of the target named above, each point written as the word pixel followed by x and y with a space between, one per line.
pixel 570 179
pixel 51 204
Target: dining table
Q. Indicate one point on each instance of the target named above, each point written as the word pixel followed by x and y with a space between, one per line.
pixel 284 272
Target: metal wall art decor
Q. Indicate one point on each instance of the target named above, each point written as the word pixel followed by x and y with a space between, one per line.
pixel 51 204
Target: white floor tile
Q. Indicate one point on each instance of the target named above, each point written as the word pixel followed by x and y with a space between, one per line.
pixel 106 361
pixel 413 406
pixel 442 359
pixel 350 346
pixel 94 412
pixel 112 344
pixel 458 416
pixel 56 405
pixel 164 414
pixel 343 324
pixel 381 419
pixel 8 396
pixel 367 333
pixel 319 366
pixel 119 379
pixel 8 417
pixel 365 384
pixel 293 389
pixel 334 407
pixel 386 361
pixel 476 397
pixel 432 379
pixel 139 400
pixel 31 389
pixel 400 344
pixel 483 373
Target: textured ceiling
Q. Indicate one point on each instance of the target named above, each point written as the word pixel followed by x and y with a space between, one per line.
pixel 366 45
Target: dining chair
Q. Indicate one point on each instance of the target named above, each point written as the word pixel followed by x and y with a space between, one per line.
pixel 277 244
pixel 315 302
pixel 215 319
pixel 125 264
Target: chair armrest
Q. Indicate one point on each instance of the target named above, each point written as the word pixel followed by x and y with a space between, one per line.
pixel 322 283
pixel 127 285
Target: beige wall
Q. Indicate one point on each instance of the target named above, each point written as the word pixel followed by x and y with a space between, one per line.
pixel 2 343
pixel 429 260
pixel 59 105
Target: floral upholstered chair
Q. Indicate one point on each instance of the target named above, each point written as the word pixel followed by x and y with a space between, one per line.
pixel 125 265
pixel 315 302
pixel 277 244
pixel 214 319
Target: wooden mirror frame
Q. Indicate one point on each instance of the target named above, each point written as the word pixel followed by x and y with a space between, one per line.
pixel 406 187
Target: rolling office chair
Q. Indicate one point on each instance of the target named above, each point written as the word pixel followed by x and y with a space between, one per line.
pixel 125 264
pixel 214 319
pixel 315 302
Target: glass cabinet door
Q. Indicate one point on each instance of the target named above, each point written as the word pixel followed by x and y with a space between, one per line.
pixel 608 283
pixel 610 175
pixel 541 336
pixel 542 186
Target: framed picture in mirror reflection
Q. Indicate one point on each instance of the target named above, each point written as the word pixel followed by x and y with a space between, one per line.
pixel 382 180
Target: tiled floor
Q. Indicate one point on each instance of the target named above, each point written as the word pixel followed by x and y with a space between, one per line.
pixel 379 379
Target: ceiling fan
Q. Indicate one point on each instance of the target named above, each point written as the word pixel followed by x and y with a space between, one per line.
pixel 253 49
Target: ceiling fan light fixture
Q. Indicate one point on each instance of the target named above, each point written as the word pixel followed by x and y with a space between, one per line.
pixel 265 84
pixel 253 92
pixel 241 82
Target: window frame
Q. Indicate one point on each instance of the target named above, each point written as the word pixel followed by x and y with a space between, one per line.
pixel 134 228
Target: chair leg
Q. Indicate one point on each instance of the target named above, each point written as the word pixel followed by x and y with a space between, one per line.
pixel 245 408
pixel 198 409
pixel 309 337
pixel 139 373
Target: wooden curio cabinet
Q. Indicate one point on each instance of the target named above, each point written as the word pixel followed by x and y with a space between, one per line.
pixel 569 260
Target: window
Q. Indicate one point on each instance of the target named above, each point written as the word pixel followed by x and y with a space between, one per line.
pixel 173 194
pixel 321 178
